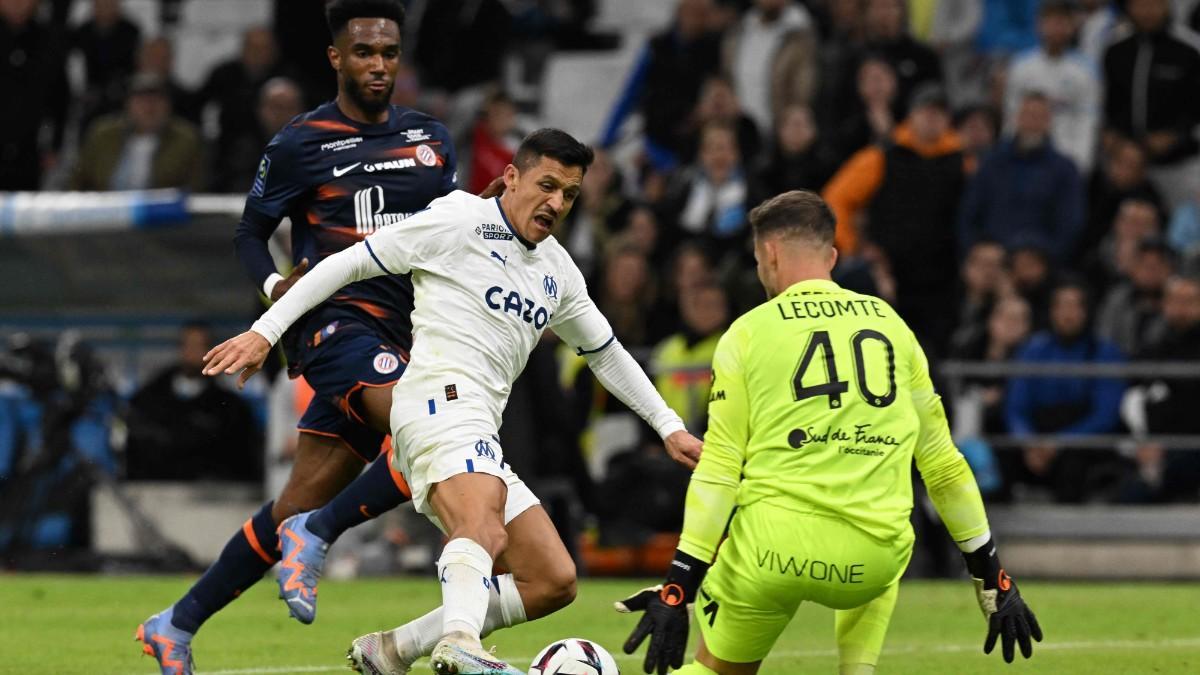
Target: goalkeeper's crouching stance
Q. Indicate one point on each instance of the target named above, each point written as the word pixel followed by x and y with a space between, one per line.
pixel 821 400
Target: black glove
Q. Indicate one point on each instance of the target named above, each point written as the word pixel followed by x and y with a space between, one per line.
pixel 1007 614
pixel 665 617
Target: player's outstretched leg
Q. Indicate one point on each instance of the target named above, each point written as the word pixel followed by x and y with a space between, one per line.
pixel 542 581
pixel 304 539
pixel 471 507
pixel 860 632
pixel 323 466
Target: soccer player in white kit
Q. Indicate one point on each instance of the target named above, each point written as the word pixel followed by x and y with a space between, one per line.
pixel 488 279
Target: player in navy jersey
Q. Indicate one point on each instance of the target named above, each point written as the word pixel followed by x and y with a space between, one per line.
pixel 339 172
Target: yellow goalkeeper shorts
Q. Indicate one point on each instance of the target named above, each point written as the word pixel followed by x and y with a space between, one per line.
pixel 775 559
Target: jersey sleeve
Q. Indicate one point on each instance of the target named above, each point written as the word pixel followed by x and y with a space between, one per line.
pixel 422 239
pixel 947 475
pixel 578 321
pixel 712 491
pixel 279 180
pixel 450 167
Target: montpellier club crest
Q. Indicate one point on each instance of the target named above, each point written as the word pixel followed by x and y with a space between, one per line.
pixel 426 155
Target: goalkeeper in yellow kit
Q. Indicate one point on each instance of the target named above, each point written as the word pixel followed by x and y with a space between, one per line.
pixel 821 399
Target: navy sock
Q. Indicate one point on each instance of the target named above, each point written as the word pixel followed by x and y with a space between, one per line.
pixel 247 556
pixel 377 490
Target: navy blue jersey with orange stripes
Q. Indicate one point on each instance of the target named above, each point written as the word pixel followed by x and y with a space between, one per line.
pixel 338 181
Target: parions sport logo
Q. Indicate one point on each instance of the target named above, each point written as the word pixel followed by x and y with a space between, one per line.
pixel 493 231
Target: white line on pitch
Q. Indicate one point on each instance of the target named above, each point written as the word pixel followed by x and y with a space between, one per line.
pixel 795 653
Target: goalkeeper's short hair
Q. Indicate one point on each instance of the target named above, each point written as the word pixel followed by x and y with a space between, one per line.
pixel 795 214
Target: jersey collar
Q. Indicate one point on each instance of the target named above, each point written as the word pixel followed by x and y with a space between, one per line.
pixel 809 285
pixel 529 245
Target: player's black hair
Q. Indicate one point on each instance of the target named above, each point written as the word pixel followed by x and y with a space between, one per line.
pixel 338 13
pixel 798 213
pixel 555 144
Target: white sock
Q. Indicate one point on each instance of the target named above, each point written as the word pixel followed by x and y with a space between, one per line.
pixel 465 570
pixel 418 637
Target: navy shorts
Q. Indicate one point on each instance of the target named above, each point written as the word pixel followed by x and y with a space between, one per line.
pixel 340 359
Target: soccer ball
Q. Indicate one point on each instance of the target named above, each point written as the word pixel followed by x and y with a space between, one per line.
pixel 574 656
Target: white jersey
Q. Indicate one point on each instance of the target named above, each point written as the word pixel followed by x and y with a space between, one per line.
pixel 482 298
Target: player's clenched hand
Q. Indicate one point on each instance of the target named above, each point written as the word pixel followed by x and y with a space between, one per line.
pixel 244 353
pixel 290 280
pixel 1009 618
pixel 684 448
pixel 665 621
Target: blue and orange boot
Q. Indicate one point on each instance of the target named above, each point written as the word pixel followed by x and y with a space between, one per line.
pixel 170 646
pixel 302 555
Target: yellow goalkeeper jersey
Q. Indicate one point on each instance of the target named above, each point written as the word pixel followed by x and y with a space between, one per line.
pixel 821 397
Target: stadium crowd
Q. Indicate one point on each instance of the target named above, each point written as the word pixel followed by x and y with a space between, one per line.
pixel 1020 178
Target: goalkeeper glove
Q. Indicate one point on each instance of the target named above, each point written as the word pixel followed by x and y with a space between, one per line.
pixel 665 617
pixel 1008 617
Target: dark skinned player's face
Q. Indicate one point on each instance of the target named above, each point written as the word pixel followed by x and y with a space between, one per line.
pixel 540 197
pixel 366 54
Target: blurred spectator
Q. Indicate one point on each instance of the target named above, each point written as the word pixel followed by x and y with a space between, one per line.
pixel 185 426
pixel 979 409
pixel 1029 271
pixel 682 363
pixel 1008 27
pixel 233 86
pixel 626 295
pixel 953 25
pixel 708 199
pixel 279 101
pixel 1065 77
pixel 984 281
pixel 771 56
pixel 978 127
pixel 1151 79
pixel 1121 176
pixel 459 43
pixel 494 140
pixel 665 83
pixel 875 116
pixel 1064 406
pixel 1184 228
pixel 1026 187
pixel 303 34
pixel 885 35
pixel 34 81
pixel 720 105
pixel 143 147
pixel 907 193
pixel 1128 311
pixel 689 270
pixel 600 212
pixel 1114 258
pixel 1101 25
pixel 109 44
pixel 157 56
pixel 1170 404
pixel 797 159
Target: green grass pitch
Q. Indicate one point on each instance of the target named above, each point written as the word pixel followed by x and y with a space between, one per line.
pixel 84 624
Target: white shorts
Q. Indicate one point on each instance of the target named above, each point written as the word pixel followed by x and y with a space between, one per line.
pixel 435 442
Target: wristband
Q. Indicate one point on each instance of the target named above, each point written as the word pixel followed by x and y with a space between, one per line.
pixel 683 579
pixel 984 564
pixel 269 285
